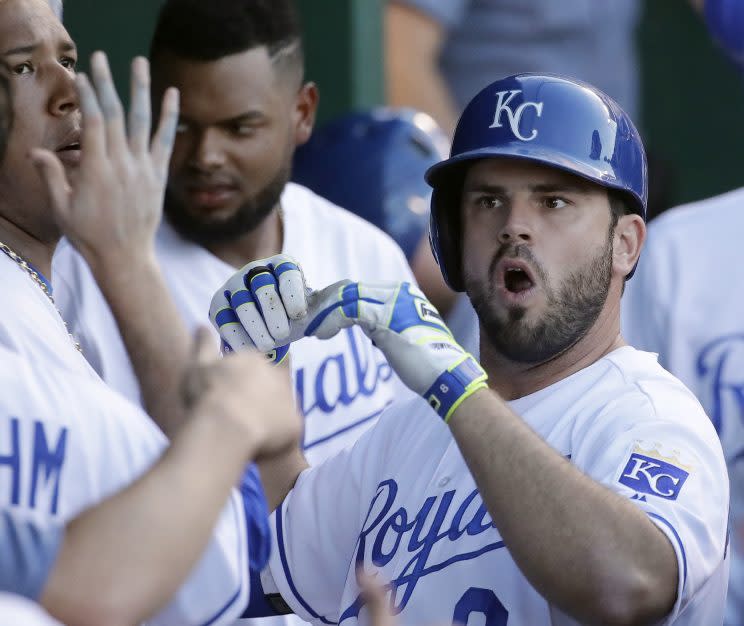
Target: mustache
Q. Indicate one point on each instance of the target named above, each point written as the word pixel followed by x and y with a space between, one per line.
pixel 517 251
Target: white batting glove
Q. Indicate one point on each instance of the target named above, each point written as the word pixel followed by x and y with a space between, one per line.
pixel 400 321
pixel 254 308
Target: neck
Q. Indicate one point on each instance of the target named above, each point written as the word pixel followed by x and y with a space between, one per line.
pixel 514 380
pixel 262 242
pixel 32 249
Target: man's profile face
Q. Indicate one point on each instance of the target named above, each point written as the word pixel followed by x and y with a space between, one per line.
pixel 41 58
pixel 537 255
pixel 235 141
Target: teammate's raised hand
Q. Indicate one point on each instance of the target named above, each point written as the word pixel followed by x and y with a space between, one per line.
pixel 246 395
pixel 111 206
pixel 255 307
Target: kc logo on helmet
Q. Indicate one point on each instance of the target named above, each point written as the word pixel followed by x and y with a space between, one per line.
pixel 649 474
pixel 514 116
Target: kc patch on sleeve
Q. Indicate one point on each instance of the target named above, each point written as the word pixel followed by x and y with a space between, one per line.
pixel 650 472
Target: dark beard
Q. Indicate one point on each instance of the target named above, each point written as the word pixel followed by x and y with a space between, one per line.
pixel 246 219
pixel 571 312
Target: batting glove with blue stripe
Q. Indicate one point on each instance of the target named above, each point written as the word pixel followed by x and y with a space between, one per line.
pixel 397 317
pixel 254 308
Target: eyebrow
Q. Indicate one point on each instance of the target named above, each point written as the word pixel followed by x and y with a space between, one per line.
pixel 67 46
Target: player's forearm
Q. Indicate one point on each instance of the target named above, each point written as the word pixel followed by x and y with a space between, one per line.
pixel 122 560
pixel 585 549
pixel 154 334
pixel 412 42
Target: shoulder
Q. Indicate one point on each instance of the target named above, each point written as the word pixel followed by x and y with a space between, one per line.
pixel 687 220
pixel 650 399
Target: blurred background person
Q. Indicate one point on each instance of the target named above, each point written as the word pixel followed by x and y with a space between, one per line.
pixel 439 53
pixel 373 163
pixel 686 303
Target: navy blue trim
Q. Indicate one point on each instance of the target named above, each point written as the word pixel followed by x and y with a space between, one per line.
pixel 226 316
pixel 346 428
pixel 264 279
pixel 42 278
pixel 241 568
pixel 320 317
pixel 679 542
pixel 287 266
pixel 279 517
pixel 242 296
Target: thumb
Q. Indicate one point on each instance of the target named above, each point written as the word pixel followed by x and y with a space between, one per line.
pixel 52 172
pixel 204 349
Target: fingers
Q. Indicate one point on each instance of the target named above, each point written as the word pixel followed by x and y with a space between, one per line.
pixel 162 143
pixel 204 349
pixel 265 289
pixel 373 594
pixel 92 136
pixel 226 321
pixel 139 111
pixel 291 287
pixel 53 174
pixel 110 105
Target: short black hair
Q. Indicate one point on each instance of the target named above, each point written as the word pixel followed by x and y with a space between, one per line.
pixel 208 30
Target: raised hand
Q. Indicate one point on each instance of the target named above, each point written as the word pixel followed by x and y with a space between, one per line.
pixel 244 394
pixel 111 207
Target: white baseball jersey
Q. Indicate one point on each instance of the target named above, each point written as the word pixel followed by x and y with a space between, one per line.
pixel 686 302
pixel 403 502
pixel 67 441
pixel 19 611
pixel 341 384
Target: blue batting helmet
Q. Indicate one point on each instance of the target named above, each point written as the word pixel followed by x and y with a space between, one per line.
pixel 547 119
pixel 725 20
pixel 373 163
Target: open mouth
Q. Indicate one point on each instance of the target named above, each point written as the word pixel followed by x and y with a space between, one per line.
pixel 70 147
pixel 517 280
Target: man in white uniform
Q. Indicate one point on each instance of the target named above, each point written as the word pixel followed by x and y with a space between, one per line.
pixel 68 441
pixel 685 306
pixel 587 484
pixel 244 108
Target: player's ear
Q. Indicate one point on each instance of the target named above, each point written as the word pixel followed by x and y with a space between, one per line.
pixel 630 233
pixel 304 113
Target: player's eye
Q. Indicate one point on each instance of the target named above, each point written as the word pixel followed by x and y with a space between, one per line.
pixel 488 202
pixel 554 202
pixel 68 63
pixel 241 130
pixel 22 68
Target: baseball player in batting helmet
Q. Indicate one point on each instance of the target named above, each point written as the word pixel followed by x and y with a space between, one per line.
pixel 570 479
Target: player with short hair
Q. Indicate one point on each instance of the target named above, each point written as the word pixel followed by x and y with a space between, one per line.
pixel 67 441
pixel 569 479
pixel 245 106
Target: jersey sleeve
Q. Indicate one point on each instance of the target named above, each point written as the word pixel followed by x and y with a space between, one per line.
pixel 217 590
pixel 28 549
pixel 316 528
pixel 670 465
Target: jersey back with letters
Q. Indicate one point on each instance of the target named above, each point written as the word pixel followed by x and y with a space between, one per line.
pixel 686 304
pixel 67 441
pixel 341 384
pixel 402 502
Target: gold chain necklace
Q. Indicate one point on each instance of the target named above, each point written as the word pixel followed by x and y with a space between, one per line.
pixel 35 276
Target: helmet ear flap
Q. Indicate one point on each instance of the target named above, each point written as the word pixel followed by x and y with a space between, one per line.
pixel 445 229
